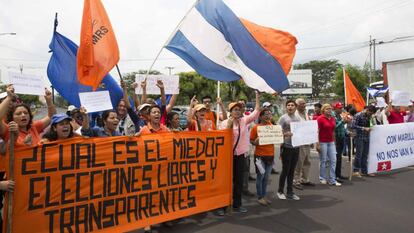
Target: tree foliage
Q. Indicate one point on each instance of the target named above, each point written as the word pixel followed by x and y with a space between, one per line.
pixel 323 73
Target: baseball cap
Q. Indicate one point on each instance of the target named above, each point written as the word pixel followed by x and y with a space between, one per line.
pixel 266 104
pixel 142 106
pixel 338 105
pixel 60 117
pixel 198 107
pixel 234 104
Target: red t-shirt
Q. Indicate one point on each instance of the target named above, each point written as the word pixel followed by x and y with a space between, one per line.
pixel 326 128
pixel 396 117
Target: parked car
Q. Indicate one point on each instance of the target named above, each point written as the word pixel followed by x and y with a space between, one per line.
pixel 182 113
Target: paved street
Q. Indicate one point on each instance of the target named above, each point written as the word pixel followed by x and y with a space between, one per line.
pixel 379 204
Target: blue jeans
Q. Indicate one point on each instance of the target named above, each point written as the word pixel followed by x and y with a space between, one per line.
pixel 361 156
pixel 327 155
pixel 261 180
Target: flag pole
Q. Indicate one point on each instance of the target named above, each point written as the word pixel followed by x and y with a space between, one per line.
pixel 10 177
pixel 218 105
pixel 343 73
pixel 119 72
pixel 170 37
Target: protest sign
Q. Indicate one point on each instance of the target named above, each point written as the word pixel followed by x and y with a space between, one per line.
pixel 270 134
pixel 304 132
pixel 171 84
pixel 95 101
pixel 400 98
pixel 27 84
pixel 119 184
pixel 391 147
pixel 381 102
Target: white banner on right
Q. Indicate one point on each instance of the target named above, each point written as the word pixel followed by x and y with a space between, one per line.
pixel 391 147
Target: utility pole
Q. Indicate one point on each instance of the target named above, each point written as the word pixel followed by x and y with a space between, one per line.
pixel 370 64
pixel 169 69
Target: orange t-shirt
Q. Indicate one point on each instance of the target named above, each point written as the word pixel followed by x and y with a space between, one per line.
pixel 211 115
pixel 207 126
pixel 261 150
pixel 24 136
pixel 148 129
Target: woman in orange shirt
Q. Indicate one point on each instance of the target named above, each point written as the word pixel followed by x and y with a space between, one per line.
pixel 263 157
pixel 20 114
pixel 200 123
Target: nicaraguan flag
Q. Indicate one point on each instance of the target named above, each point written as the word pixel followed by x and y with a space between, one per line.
pixel 377 92
pixel 222 47
pixel 61 72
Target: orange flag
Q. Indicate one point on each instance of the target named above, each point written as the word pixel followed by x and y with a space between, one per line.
pixel 352 95
pixel 98 51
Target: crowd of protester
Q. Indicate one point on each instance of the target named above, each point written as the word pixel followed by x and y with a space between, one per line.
pixel 337 124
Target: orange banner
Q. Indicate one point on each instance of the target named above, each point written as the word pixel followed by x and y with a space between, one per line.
pixel 119 184
pixel 98 50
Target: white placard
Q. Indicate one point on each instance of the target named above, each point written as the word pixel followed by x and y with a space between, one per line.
pixel 95 101
pixel 270 134
pixel 27 84
pixel 171 84
pixel 304 132
pixel 400 98
pixel 391 147
pixel 381 102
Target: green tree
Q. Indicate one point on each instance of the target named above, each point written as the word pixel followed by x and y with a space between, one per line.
pixel 323 73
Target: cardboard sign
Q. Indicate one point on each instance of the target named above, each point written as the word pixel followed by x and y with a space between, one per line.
pixel 304 132
pixel 270 134
pixel 400 98
pixel 171 84
pixel 95 101
pixel 27 84
pixel 120 184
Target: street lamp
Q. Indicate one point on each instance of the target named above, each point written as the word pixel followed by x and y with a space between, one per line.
pixel 8 33
pixel 169 69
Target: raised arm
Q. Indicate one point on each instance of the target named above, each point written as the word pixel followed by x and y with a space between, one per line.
pixel 51 109
pixel 4 107
pixel 160 85
pixel 171 103
pixel 144 91
pixel 135 96
pixel 255 114
pixel 190 113
pixel 222 109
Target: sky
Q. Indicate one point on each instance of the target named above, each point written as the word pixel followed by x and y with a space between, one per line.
pixel 325 29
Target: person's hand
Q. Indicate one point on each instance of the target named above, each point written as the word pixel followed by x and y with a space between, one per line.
pixel 123 85
pixel 219 101
pixel 160 84
pixel 318 148
pixel 144 84
pixel 367 129
pixel 83 111
pixel 193 101
pixel 256 141
pixel 48 94
pixel 13 127
pixel 10 90
pixel 135 85
pixel 7 185
pixel 137 134
pixel 288 134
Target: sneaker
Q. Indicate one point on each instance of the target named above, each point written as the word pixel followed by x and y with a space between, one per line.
pixel 281 196
pixel 262 202
pixel 240 210
pixel 252 178
pixel 337 184
pixel 268 201
pixel 323 181
pixel 356 174
pixel 220 212
pixel 298 186
pixel 371 175
pixel 293 197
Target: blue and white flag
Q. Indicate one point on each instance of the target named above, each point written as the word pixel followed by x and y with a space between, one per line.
pixel 222 47
pixel 377 92
pixel 61 72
